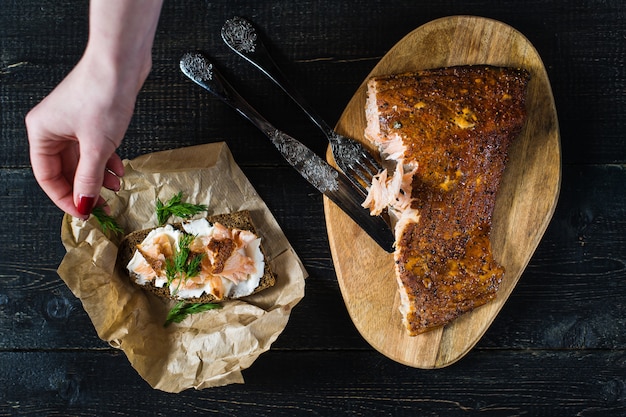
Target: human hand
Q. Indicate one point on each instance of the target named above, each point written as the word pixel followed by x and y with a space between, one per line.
pixel 74 133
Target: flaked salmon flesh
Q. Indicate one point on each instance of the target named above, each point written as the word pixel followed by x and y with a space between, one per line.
pixel 447 131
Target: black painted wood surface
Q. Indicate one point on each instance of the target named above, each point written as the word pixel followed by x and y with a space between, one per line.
pixel 556 349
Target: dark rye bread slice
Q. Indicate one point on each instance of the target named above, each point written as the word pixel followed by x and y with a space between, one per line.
pixel 237 220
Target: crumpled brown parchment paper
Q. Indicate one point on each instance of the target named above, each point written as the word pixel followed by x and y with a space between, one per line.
pixel 207 349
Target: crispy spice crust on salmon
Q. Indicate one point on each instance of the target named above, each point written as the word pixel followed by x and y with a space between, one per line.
pixel 237 220
pixel 453 127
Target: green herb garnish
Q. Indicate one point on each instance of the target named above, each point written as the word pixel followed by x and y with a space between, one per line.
pixel 175 206
pixel 192 268
pixel 183 265
pixel 182 309
pixel 105 221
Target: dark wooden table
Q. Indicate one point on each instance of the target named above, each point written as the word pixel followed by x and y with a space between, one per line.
pixel 556 349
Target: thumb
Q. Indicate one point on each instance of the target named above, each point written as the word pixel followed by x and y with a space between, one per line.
pixel 88 179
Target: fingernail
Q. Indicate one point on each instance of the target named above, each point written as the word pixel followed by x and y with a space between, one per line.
pixel 85 204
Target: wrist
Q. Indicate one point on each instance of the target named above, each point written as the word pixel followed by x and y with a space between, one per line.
pixel 121 34
pixel 113 67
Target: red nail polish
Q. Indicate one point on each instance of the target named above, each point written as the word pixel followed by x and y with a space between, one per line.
pixel 85 204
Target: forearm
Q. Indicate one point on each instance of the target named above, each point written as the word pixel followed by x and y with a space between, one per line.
pixel 121 34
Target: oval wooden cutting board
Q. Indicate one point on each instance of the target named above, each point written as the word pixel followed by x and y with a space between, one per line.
pixel 524 206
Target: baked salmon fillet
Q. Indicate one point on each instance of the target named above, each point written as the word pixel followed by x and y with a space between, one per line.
pixel 447 131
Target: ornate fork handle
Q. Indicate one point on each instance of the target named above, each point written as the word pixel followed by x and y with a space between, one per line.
pixel 240 36
pixel 351 156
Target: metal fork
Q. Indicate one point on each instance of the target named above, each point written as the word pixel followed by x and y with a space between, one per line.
pixel 326 179
pixel 351 156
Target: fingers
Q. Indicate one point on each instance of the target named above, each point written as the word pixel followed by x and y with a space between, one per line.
pixel 56 173
pixel 115 165
pixel 57 187
pixel 72 182
pixel 114 170
pixel 92 174
pixel 53 166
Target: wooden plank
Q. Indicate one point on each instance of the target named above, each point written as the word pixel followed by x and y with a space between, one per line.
pixel 326 56
pixel 569 293
pixel 345 384
pixel 568 297
pixel 557 346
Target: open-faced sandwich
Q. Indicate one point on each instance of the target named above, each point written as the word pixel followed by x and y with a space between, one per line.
pixel 446 132
pixel 202 261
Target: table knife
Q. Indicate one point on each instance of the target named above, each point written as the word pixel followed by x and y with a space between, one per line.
pixel 351 156
pixel 326 179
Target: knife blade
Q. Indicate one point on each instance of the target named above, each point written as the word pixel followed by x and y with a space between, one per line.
pixel 326 179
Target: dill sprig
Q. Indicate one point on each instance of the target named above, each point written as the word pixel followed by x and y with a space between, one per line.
pixel 193 266
pixel 182 309
pixel 175 206
pixel 183 265
pixel 106 222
